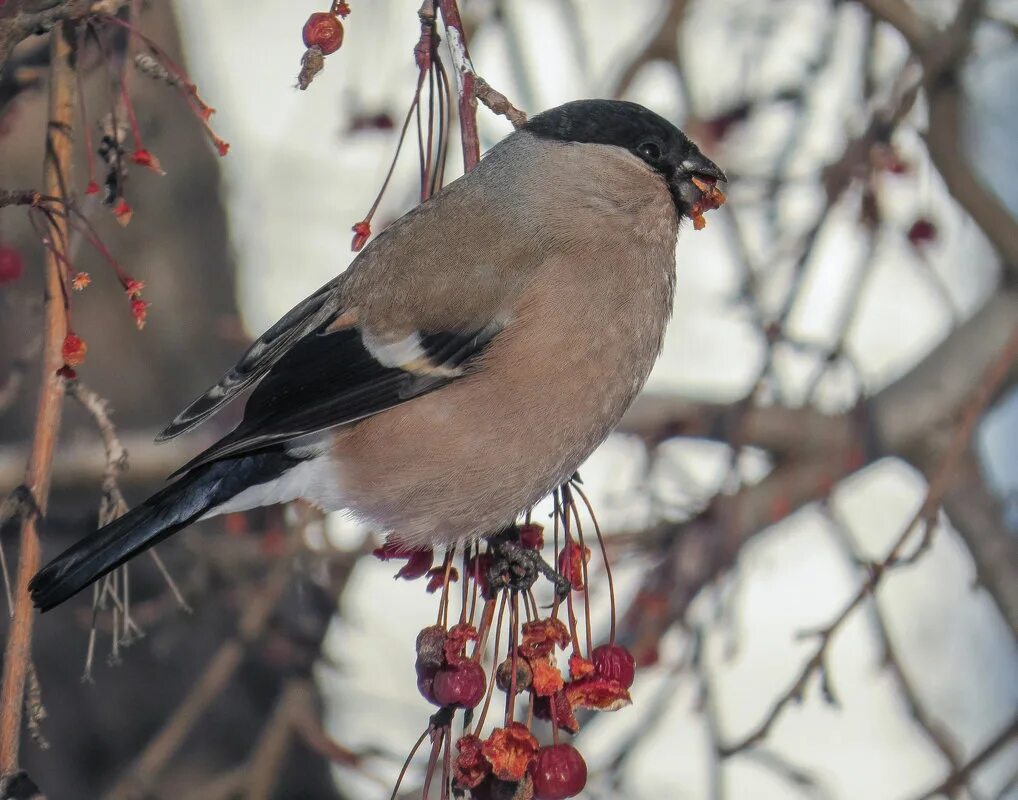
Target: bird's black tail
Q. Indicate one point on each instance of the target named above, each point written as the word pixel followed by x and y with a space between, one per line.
pixel 162 515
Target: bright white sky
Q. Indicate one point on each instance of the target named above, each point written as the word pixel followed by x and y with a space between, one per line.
pixel 295 183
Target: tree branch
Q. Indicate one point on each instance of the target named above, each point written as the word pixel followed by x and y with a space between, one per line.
pixel 57 180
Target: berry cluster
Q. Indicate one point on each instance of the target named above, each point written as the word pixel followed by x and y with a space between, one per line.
pixel 546 670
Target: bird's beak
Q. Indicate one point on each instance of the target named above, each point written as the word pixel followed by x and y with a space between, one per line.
pixel 694 185
pixel 699 166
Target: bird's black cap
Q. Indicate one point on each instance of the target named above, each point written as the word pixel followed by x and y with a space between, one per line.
pixel 639 130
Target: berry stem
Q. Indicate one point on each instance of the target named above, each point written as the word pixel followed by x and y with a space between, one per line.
pixel 604 556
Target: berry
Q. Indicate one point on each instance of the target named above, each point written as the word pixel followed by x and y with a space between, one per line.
pixel 532 536
pixel 431 646
pixel 324 31
pixel 461 686
pixel 922 231
pixel 504 675
pixel 426 682
pixel 615 663
pixel 559 771
pixel 11 265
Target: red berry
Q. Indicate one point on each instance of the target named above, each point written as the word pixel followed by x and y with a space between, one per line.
pixel 615 663
pixel 532 536
pixel 461 686
pixel 426 681
pixel 922 231
pixel 558 772
pixel 11 264
pixel 324 31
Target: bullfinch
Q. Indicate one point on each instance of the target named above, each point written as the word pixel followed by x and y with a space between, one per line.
pixel 465 364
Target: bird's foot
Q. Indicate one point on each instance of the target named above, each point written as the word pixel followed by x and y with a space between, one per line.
pixel 516 567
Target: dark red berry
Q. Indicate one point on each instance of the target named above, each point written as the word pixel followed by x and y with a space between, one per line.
pixel 426 682
pixel 559 771
pixel 11 265
pixel 922 231
pixel 324 31
pixel 461 686
pixel 615 663
pixel 532 536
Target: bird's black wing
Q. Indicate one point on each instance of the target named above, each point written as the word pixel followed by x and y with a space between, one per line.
pixel 304 318
pixel 331 378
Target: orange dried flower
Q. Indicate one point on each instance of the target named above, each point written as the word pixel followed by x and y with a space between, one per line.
pixel 510 751
pixel 547 679
pixel 571 561
pixel 579 667
pixel 541 636
pixel 597 694
pixel 73 350
pixel 80 281
pixel 134 288
pixel 456 642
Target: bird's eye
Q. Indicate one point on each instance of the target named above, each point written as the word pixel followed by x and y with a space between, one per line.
pixel 649 150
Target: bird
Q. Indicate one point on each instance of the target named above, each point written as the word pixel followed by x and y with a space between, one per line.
pixel 465 364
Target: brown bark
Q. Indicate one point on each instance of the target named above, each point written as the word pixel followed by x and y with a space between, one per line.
pixel 56 181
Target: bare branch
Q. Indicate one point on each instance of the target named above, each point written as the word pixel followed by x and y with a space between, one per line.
pixel 960 776
pixel 57 179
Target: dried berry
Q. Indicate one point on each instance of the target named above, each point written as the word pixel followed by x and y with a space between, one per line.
pixel 615 663
pixel 461 686
pixel 504 675
pixel 540 637
pixel 11 265
pixel 431 646
pixel 564 717
pixel 559 771
pixel 571 561
pixel 324 31
pixel 470 766
pixel 532 536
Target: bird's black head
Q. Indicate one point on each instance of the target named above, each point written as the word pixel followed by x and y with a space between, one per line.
pixel 648 136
